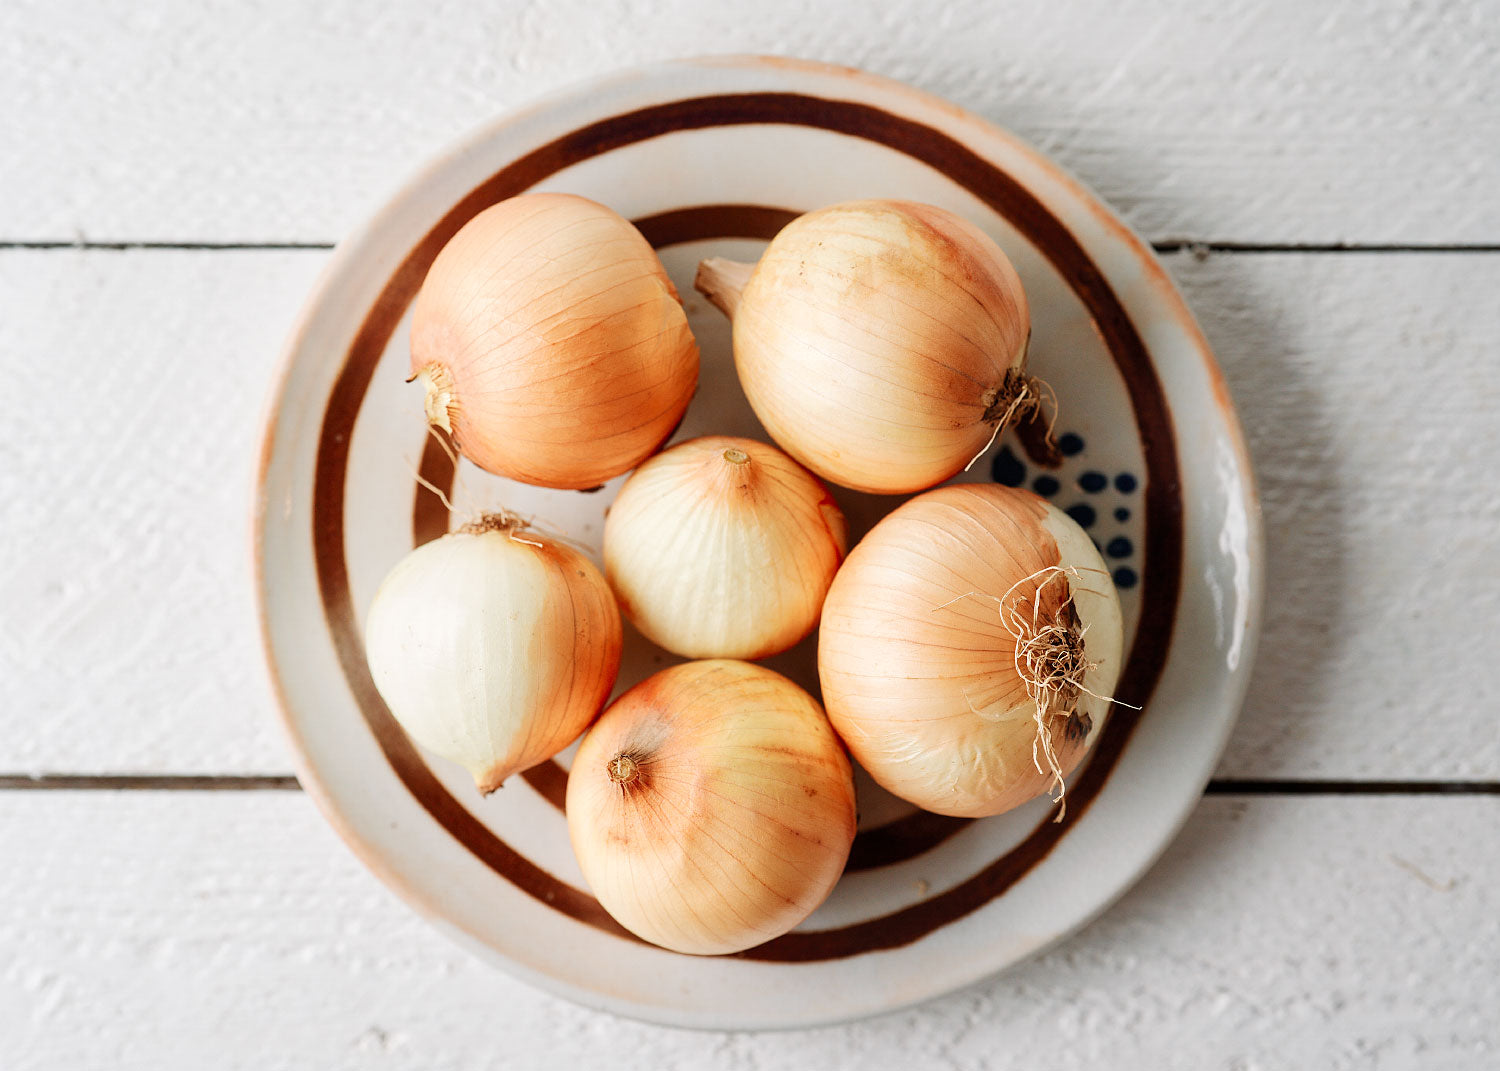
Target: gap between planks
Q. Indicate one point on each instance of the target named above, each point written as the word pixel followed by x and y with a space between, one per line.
pixel 288 783
pixel 1178 245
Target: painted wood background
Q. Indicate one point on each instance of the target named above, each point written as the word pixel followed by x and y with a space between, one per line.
pixel 1324 182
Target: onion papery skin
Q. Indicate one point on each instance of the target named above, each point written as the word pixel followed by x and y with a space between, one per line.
pixel 918 669
pixel 494 647
pixel 738 815
pixel 551 342
pixel 723 548
pixel 879 342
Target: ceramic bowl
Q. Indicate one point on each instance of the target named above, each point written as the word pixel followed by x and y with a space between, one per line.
pixel 711 158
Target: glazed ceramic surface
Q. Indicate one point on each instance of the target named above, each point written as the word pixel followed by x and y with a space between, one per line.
pixel 711 158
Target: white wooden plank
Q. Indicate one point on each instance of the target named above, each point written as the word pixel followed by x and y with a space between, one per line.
pixel 1368 387
pixel 279 120
pixel 129 436
pixel 1367 384
pixel 182 930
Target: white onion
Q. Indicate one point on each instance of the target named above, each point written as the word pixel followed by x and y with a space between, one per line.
pixel 711 807
pixel 881 343
pixel 968 649
pixel 551 342
pixel 723 548
pixel 494 646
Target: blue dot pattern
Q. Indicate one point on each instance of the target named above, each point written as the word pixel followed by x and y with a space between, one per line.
pixel 1007 468
pixel 1011 470
pixel 1083 513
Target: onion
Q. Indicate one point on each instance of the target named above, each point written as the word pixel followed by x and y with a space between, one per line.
pixel 967 649
pixel 551 342
pixel 723 548
pixel 494 646
pixel 711 807
pixel 881 343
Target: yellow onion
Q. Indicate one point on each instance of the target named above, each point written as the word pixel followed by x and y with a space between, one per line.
pixel 881 343
pixel 723 548
pixel 494 646
pixel 968 647
pixel 711 807
pixel 551 342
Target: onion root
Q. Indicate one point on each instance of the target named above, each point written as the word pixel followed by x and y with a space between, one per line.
pixel 1050 660
pixel 1020 396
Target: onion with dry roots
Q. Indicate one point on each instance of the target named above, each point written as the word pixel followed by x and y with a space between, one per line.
pixel 968 649
pixel 494 646
pixel 551 343
pixel 723 548
pixel 711 807
pixel 881 343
